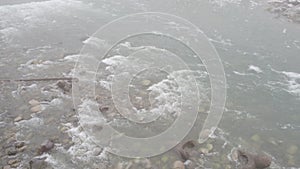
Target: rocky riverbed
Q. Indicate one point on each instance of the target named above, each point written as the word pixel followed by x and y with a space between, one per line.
pixel 40 127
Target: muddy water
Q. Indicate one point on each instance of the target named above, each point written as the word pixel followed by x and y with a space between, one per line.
pixel 259 51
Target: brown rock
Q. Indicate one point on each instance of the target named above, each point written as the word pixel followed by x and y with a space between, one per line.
pixel 17 119
pixel 11 151
pixel 45 146
pixel 6 167
pixel 253 161
pixel 34 102
pixel 178 165
pixel 65 86
pixel 36 108
pixel 38 163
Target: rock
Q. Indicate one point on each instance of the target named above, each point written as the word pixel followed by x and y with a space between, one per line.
pixel 45 147
pixel 38 163
pixel 34 102
pixel 14 163
pixel 146 82
pixel 209 147
pixel 11 151
pixel 36 109
pixel 205 151
pixel 253 161
pixel 19 144
pixel 178 165
pixel 17 119
pixel 6 167
pixel 292 149
pixel 65 86
pixel 22 149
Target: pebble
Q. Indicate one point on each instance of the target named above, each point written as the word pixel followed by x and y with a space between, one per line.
pixel 17 119
pixel 178 165
pixel 36 108
pixel 34 102
pixel 292 149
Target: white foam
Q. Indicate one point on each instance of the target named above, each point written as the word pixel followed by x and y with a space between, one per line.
pixel 20 17
pixel 293 80
pixel 239 73
pixel 222 3
pixel 255 69
pixel 290 83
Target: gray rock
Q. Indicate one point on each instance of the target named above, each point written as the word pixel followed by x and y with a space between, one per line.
pixel 11 151
pixel 45 146
pixel 38 163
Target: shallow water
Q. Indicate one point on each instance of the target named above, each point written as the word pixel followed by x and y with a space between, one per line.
pixel 259 51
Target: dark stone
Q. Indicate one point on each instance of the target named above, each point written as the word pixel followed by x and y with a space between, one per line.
pixel 64 85
pixel 185 149
pixel 46 146
pixel 11 151
pixel 253 161
pixel 19 144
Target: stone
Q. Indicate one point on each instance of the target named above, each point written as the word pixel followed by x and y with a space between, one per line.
pixel 11 151
pixel 19 144
pixel 178 165
pixel 17 119
pixel 13 161
pixel 209 147
pixel 46 146
pixel 253 161
pixel 38 163
pixel 34 102
pixel 205 151
pixel 36 109
pixel 22 149
pixel 65 86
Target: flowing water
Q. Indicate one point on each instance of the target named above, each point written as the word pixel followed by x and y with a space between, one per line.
pixel 43 38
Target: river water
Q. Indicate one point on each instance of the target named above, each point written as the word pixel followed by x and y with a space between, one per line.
pixel 42 39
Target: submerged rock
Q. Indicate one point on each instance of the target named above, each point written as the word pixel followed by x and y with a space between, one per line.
pixel 34 102
pixel 253 161
pixel 292 149
pixel 36 109
pixel 17 119
pixel 64 85
pixel 45 146
pixel 38 163
pixel 178 165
